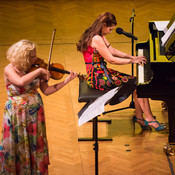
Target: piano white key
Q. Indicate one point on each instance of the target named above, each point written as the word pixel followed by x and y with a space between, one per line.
pixel 140 69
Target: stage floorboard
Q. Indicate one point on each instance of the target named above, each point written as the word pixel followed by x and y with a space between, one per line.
pixel 131 152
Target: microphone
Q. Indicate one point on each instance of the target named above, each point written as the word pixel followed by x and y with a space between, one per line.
pixel 132 16
pixel 121 31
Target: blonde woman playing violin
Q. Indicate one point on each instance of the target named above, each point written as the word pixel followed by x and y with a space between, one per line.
pixel 24 148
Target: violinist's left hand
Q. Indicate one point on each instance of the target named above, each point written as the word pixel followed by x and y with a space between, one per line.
pixel 71 76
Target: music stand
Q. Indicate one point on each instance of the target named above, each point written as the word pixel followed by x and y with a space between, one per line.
pixel 95 102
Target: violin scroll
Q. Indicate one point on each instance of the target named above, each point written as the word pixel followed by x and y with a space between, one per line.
pixel 82 77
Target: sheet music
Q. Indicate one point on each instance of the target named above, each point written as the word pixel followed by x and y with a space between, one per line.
pixel 97 107
pixel 161 25
pixel 168 34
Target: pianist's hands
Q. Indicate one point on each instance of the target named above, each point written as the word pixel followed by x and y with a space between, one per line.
pixel 139 60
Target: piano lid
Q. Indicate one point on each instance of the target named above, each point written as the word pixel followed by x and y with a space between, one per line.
pixel 170 23
pixel 169 33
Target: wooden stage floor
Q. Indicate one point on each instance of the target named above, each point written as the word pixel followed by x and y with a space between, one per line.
pixel 131 152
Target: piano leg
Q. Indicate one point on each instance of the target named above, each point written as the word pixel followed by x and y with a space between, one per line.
pixel 169 148
pixel 171 119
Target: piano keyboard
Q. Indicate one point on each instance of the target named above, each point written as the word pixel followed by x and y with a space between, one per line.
pixel 144 72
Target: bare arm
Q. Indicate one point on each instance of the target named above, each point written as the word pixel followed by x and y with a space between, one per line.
pixel 98 43
pixel 10 75
pixel 116 52
pixel 112 55
pixel 48 90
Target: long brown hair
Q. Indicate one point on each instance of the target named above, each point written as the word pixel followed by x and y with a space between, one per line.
pixel 95 29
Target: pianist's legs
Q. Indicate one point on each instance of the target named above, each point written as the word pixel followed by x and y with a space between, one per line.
pixel 142 105
pixel 138 110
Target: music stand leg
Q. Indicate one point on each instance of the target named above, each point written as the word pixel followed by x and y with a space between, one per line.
pixel 95 136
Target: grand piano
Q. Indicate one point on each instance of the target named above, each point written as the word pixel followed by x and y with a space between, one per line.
pixel 156 79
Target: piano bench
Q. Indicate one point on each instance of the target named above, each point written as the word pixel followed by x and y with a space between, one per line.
pixel 88 95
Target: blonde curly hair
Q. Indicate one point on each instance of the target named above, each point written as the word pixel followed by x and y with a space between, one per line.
pixel 19 54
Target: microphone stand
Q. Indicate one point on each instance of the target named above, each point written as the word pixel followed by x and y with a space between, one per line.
pixel 132 105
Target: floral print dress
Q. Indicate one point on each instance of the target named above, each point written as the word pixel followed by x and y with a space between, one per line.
pixel 100 77
pixel 24 148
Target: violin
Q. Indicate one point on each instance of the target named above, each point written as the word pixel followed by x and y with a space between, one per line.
pixel 56 69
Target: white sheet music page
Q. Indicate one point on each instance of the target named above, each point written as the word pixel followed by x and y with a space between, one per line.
pixel 168 34
pixel 161 25
pixel 97 107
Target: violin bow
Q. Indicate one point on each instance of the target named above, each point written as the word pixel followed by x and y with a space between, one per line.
pixel 50 53
pixel 81 77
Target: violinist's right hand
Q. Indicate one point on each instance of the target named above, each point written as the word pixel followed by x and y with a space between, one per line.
pixel 45 74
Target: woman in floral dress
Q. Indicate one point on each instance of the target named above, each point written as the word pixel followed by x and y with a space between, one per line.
pixel 97 51
pixel 24 147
